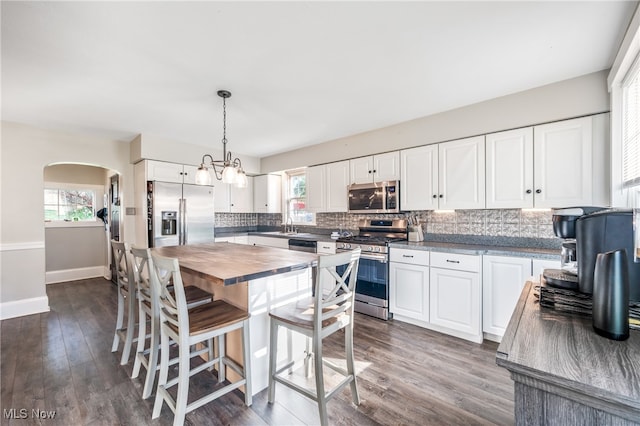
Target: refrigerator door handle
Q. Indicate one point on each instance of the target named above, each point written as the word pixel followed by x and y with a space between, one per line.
pixel 184 233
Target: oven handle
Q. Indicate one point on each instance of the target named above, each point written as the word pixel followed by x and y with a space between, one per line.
pixel 377 257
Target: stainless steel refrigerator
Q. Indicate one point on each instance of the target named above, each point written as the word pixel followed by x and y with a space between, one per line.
pixel 179 214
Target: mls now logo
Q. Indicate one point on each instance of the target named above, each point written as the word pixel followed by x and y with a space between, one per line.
pixel 23 413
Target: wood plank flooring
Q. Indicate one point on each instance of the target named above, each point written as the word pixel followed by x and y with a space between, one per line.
pixel 61 362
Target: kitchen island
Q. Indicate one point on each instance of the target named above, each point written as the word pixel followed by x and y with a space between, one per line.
pixel 253 278
pixel 566 374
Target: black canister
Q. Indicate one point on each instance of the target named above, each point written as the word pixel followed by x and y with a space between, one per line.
pixel 611 295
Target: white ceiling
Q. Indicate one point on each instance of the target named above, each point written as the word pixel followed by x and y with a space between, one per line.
pixel 300 73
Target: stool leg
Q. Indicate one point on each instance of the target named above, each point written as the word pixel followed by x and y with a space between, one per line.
pixel 322 402
pixel 164 373
pixel 153 358
pixel 351 370
pixel 130 326
pixel 273 356
pixel 246 354
pixel 184 368
pixel 142 332
pixel 119 321
pixel 222 373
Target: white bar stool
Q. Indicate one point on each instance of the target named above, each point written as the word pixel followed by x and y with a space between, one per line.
pixel 318 318
pixel 190 327
pixel 126 300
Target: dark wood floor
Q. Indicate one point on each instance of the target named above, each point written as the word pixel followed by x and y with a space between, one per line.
pixel 61 361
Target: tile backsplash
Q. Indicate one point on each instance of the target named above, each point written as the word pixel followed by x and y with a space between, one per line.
pixel 496 223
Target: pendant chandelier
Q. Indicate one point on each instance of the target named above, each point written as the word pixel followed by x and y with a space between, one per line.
pixel 227 170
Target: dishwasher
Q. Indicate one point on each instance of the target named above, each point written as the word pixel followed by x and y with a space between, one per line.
pixel 303 245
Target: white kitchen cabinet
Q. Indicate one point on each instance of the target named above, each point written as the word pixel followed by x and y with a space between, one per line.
pixel 503 279
pixel 419 178
pixel 259 240
pixel 461 174
pixel 326 247
pixel 267 194
pixel 409 286
pixel 170 172
pixel 563 163
pixel 238 239
pixel 221 203
pixel 455 300
pixel 509 169
pixel 327 187
pixel 375 168
pixel 241 199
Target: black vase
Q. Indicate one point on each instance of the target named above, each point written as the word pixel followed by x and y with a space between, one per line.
pixel 611 295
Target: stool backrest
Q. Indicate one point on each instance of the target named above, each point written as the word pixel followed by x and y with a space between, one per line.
pixel 342 270
pixel 172 304
pixel 146 281
pixel 123 265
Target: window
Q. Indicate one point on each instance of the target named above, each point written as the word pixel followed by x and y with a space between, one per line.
pixel 297 199
pixel 631 126
pixel 69 204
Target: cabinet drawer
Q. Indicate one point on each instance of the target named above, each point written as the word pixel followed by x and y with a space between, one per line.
pixel 326 248
pixel 413 257
pixel 460 262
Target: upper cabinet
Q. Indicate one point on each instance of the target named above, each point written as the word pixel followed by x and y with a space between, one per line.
pixel 267 194
pixel 419 178
pixel 510 169
pixel 230 199
pixel 327 187
pixel 461 174
pixel 375 168
pixel 560 164
pixel 170 172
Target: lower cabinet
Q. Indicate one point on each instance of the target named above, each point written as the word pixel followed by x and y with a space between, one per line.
pixel 409 291
pixel 456 296
pixel 503 281
pixel 258 240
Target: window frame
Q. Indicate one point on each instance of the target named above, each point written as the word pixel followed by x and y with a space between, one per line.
pixel 289 174
pixel 98 192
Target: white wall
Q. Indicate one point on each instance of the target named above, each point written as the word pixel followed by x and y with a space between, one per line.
pixel 24 153
pixel 567 99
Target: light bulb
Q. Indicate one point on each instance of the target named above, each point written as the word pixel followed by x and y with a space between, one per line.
pixel 229 175
pixel 203 177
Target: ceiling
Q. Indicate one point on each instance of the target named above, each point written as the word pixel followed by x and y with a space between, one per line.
pixel 300 73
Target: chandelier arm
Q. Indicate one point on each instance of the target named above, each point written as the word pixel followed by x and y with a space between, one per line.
pixel 210 159
pixel 217 173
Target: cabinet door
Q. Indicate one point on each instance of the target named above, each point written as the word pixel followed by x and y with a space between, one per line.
pixel 241 199
pixel 267 190
pixel 419 178
pixel 337 182
pixel 258 240
pixel 509 170
pixel 503 279
pixel 461 174
pixel 562 163
pixel 316 189
pixel 189 174
pixel 361 170
pixel 164 172
pixel 221 201
pixel 386 166
pixel 455 301
pixel 409 291
pixel 326 247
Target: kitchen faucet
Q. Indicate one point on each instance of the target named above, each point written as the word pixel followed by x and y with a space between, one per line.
pixel 288 227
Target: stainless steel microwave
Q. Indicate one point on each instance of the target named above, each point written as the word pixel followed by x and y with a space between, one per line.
pixel 379 197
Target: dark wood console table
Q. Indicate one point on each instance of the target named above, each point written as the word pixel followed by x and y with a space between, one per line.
pixel 566 374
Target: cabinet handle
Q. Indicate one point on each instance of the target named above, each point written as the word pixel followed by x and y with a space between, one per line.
pixel 441 196
pixel 407 255
pixel 529 191
pixel 452 261
pixel 369 171
pixel 374 170
pixel 435 196
pixel 538 191
pixel 326 248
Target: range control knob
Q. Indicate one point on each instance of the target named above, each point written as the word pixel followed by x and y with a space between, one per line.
pixel 370 248
pixel 378 249
pixel 347 246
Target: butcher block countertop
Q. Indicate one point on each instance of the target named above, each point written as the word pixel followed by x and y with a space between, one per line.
pixel 228 263
pixel 583 375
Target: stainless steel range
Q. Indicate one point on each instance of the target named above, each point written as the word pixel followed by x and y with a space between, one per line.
pixel 372 288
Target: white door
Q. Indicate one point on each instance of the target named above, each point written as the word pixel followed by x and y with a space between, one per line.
pixel 419 178
pixel 509 171
pixel 337 194
pixel 409 291
pixel 455 300
pixel 461 176
pixel 386 166
pixel 361 170
pixel 502 282
pixel 189 174
pixel 241 199
pixel 316 190
pixel 562 163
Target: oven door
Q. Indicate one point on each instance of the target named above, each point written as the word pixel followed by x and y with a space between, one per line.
pixel 372 290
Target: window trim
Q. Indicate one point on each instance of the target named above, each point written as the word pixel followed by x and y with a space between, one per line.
pixel 286 200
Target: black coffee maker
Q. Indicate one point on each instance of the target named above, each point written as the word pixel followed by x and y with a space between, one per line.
pixel 564 226
pixel 605 231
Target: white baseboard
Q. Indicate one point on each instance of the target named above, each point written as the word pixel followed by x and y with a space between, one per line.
pixel 19 308
pixel 64 275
